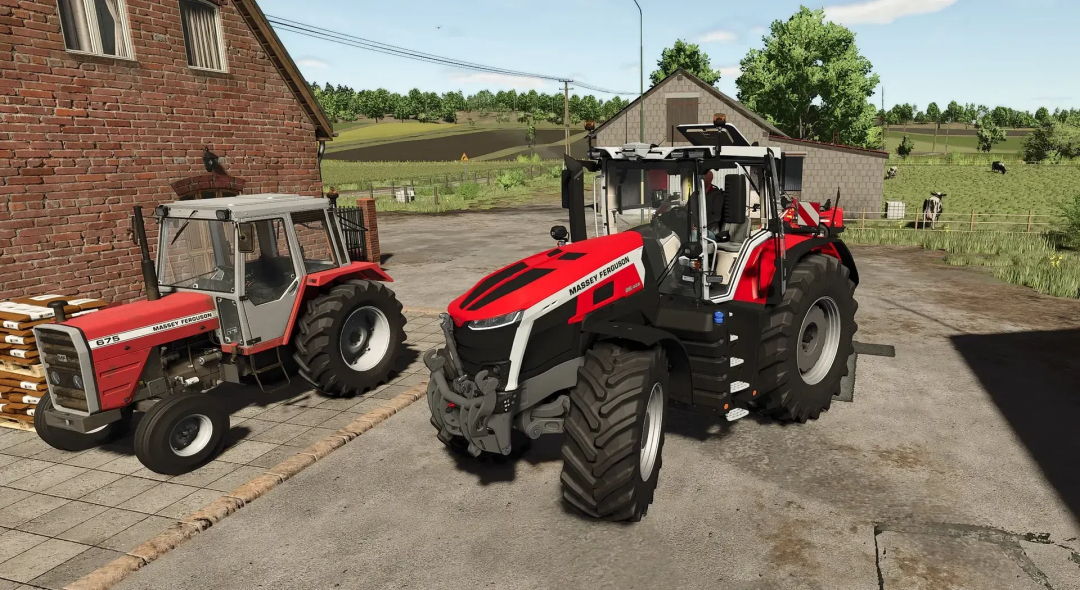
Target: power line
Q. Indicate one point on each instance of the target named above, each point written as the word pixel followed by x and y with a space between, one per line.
pixel 398 51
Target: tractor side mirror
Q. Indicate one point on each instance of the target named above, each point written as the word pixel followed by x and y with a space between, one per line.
pixel 246 238
pixel 559 233
pixel 692 250
pixel 735 199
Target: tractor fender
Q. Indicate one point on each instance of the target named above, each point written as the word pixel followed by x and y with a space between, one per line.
pixel 313 283
pixel 678 359
pixel 829 246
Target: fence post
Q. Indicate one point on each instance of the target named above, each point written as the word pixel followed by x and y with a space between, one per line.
pixel 971 227
pixel 436 194
pixel 863 218
pixel 371 190
pixel 1029 221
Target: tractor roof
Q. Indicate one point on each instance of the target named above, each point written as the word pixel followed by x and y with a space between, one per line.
pixel 245 206
pixel 709 141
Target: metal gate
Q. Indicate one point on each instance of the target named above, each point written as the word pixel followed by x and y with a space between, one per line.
pixel 352 225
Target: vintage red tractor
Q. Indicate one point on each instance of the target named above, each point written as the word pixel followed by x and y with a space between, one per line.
pixel 245 288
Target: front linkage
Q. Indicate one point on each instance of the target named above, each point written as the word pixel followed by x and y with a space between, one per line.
pixel 463 409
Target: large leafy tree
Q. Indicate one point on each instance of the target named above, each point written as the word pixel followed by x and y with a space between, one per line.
pixel 1041 115
pixel 953 113
pixel 988 135
pixel 933 114
pixel 687 56
pixel 810 80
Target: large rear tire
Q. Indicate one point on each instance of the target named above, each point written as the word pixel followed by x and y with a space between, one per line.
pixel 69 440
pixel 807 341
pixel 615 432
pixel 181 433
pixel 349 338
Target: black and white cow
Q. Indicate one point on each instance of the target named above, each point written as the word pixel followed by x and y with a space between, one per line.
pixel 997 167
pixel 891 173
pixel 932 210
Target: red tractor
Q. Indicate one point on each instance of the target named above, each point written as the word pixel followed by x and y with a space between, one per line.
pixel 709 288
pixel 246 288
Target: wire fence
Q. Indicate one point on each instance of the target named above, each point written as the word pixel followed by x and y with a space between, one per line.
pixel 389 187
pixel 968 221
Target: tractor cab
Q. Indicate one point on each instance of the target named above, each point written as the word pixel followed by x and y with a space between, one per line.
pixel 250 253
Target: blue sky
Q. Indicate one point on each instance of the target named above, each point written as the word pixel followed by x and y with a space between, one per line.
pixel 1017 53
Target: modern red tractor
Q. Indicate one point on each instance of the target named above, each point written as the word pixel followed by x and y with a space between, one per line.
pixel 710 288
pixel 246 288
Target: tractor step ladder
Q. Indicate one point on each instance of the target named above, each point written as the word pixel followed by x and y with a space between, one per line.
pixel 733 337
pixel 736 361
pixel 736 413
pixel 737 386
pixel 256 371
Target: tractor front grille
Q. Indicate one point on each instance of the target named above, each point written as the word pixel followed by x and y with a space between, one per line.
pixel 68 368
pixel 486 350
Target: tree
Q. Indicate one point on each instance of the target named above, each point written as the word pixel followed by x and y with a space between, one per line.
pixel 971 113
pixel 953 113
pixel 933 114
pixel 988 135
pixel 905 147
pixel 687 56
pixel 530 134
pixel 1041 115
pixel 810 80
pixel 1000 116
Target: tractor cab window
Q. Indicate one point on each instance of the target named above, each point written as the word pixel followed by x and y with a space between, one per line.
pixel 316 247
pixel 198 254
pixel 268 270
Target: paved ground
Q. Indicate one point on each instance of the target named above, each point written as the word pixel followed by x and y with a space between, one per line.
pixel 63 514
pixel 955 467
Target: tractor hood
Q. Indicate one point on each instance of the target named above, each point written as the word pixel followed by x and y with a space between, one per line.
pixel 115 330
pixel 551 278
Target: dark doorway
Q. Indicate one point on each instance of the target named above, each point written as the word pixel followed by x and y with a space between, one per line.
pixel 680 111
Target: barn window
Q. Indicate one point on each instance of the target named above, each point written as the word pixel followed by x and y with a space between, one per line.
pixel 793 167
pixel 99 27
pixel 201 22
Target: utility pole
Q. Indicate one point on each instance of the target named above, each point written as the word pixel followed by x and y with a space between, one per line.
pixel 566 113
pixel 641 72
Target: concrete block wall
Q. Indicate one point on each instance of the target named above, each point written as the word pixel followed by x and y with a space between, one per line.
pixel 859 174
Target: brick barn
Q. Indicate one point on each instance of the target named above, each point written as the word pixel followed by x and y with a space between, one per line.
pixel 106 104
pixel 815 169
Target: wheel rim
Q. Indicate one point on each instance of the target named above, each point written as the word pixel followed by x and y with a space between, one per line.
pixel 365 338
pixel 819 340
pixel 191 435
pixel 651 430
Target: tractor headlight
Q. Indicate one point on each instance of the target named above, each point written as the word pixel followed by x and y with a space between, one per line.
pixel 54 377
pixel 495 322
pixel 77 380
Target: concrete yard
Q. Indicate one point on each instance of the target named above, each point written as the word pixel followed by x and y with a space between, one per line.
pixel 955 467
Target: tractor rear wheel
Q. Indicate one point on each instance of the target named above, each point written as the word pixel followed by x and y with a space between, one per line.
pixel 807 341
pixel 69 440
pixel 349 337
pixel 181 433
pixel 615 432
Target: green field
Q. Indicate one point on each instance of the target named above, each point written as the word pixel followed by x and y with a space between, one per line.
pixel 924 143
pixel 363 133
pixel 345 176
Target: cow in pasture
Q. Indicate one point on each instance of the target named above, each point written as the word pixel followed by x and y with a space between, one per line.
pixel 997 167
pixel 931 210
pixel 891 173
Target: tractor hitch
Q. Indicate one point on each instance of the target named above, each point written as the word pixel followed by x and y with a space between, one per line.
pixel 463 407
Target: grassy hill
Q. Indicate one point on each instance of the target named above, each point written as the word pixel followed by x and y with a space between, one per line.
pixel 924 143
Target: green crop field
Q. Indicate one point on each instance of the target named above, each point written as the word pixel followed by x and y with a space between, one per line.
pixel 346 176
pixel 924 143
pixel 366 133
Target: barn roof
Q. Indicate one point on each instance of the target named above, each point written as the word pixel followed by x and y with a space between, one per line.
pixel 275 50
pixel 731 102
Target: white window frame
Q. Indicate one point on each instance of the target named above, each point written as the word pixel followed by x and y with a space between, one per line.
pixel 220 35
pixel 95 32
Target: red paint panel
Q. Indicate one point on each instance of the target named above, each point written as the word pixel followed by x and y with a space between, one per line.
pixel 142 313
pixel 118 376
pixel 626 282
pixel 262 346
pixel 753 285
pixel 356 270
pixel 598 252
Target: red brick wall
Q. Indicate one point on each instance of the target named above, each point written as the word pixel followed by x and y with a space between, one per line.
pixel 83 138
pixel 371 222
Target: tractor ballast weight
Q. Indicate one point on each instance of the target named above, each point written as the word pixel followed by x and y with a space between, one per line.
pixel 706 287
pixel 253 288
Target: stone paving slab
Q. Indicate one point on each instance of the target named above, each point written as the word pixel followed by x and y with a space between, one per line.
pixel 63 514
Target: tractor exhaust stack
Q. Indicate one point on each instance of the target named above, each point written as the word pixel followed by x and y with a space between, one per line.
pixel 148 273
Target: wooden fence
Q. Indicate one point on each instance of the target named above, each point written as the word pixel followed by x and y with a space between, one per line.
pixel 959 221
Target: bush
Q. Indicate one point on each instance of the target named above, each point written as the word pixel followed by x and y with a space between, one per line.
pixel 555 172
pixel 905 147
pixel 1052 139
pixel 1072 220
pixel 510 179
pixel 468 190
pixel 523 159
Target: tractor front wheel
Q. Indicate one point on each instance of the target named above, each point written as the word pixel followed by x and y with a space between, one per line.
pixel 349 338
pixel 807 341
pixel 615 432
pixel 181 433
pixel 69 440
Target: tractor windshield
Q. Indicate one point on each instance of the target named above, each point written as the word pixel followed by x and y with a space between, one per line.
pixel 198 254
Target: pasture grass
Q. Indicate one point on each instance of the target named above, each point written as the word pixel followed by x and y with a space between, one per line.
pixel 924 142
pixel 352 176
pixel 470 195
pixel 1030 259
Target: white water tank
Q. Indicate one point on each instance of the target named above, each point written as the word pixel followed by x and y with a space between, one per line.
pixel 894 209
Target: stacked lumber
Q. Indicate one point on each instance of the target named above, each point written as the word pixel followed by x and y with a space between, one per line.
pixel 22 377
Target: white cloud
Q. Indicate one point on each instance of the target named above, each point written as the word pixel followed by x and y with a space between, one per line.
pixel 882 12
pixel 311 62
pixel 499 80
pixel 718 36
pixel 730 72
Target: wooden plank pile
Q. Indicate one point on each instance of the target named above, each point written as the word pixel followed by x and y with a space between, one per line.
pixel 22 377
